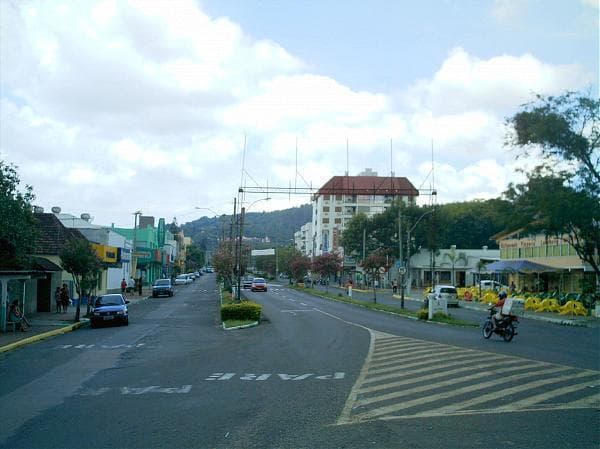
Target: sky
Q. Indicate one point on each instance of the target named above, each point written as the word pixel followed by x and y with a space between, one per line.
pixel 169 107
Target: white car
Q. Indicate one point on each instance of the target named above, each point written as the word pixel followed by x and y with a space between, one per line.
pixel 182 279
pixel 444 291
pixel 493 285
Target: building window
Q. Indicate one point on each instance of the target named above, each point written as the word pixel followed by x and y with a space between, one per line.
pixel 338 209
pixel 325 197
pixel 325 220
pixel 325 208
pixel 338 220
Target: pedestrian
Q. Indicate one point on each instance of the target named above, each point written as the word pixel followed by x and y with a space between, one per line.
pixel 395 286
pixel 140 286
pixel 123 286
pixel 16 316
pixel 57 299
pixel 64 298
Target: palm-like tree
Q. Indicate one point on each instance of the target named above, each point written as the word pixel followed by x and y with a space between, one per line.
pixel 454 256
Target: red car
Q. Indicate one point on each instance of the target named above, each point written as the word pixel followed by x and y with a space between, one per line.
pixel 259 284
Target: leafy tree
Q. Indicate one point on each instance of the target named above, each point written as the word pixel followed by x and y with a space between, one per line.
pixel 372 263
pixel 223 260
pixel 560 199
pixel 285 256
pixel 17 223
pixel 79 258
pixel 265 264
pixel 195 257
pixel 545 204
pixel 299 266
pixel 327 265
pixel 567 128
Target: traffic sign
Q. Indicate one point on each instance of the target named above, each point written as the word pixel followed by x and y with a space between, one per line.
pixel 382 270
pixel 402 270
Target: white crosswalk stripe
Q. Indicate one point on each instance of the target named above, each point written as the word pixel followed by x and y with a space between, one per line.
pixel 408 378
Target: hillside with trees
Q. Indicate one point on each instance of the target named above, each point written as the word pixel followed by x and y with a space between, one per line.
pixel 278 226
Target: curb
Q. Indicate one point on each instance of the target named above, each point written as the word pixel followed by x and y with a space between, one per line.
pixel 43 336
pixel 244 326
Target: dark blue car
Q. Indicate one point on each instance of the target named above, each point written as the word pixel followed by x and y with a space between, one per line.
pixel 109 309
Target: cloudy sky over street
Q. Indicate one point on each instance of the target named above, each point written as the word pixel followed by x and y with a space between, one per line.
pixel 110 107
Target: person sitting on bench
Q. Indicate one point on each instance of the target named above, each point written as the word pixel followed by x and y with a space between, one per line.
pixel 15 315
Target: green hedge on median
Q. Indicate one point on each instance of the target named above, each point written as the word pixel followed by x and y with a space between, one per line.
pixel 244 311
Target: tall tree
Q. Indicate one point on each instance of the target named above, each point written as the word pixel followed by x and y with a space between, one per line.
pixel 545 204
pixel 561 196
pixel 327 265
pixel 17 223
pixel 299 265
pixel 566 128
pixel 79 258
pixel 373 263
pixel 285 256
pixel 455 256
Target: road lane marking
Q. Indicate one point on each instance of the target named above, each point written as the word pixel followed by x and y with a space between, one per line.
pixel 338 375
pixel 385 369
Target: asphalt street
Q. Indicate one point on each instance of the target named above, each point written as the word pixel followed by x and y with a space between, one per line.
pixel 315 373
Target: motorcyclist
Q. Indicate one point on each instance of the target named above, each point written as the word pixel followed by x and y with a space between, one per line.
pixel 498 315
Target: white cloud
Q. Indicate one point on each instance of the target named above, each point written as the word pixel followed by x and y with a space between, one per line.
pixel 115 106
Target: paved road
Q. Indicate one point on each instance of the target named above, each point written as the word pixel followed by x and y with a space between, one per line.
pixel 316 373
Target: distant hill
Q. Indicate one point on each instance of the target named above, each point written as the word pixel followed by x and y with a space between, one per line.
pixel 279 226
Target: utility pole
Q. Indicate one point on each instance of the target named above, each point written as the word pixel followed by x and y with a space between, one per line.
pixel 231 241
pixel 364 250
pixel 401 268
pixel 239 265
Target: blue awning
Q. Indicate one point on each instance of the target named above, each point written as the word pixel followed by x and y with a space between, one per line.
pixel 518 266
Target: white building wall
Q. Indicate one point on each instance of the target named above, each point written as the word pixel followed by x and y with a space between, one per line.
pixel 115 275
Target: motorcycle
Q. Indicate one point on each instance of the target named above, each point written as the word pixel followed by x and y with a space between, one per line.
pixel 506 327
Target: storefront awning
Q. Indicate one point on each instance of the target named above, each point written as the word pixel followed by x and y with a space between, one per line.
pixel 518 266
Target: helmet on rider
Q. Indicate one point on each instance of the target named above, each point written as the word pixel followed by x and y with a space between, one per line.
pixel 502 295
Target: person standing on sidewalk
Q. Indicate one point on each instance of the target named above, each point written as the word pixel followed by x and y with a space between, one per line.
pixel 64 298
pixel 123 286
pixel 57 300
pixel 140 286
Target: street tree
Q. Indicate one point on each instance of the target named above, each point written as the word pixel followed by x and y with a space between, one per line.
pixel 327 265
pixel 566 128
pixel 285 256
pixel 546 204
pixel 299 266
pixel 223 260
pixel 454 257
pixel 17 223
pixel 375 262
pixel 194 257
pixel 79 258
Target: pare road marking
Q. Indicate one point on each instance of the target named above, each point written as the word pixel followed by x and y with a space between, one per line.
pixel 154 389
pixel 139 345
pixel 266 376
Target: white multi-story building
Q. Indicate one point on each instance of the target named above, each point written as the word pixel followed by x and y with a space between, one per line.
pixel 303 239
pixel 342 197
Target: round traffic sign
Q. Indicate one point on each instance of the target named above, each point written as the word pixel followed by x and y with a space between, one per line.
pixel 402 270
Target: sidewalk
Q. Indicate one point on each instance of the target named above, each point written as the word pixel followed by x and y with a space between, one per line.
pixel 48 324
pixel 417 296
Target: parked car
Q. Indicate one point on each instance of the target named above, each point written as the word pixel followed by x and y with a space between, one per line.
pixel 493 285
pixel 247 283
pixel 110 308
pixel 182 279
pixel 444 291
pixel 162 287
pixel 258 284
